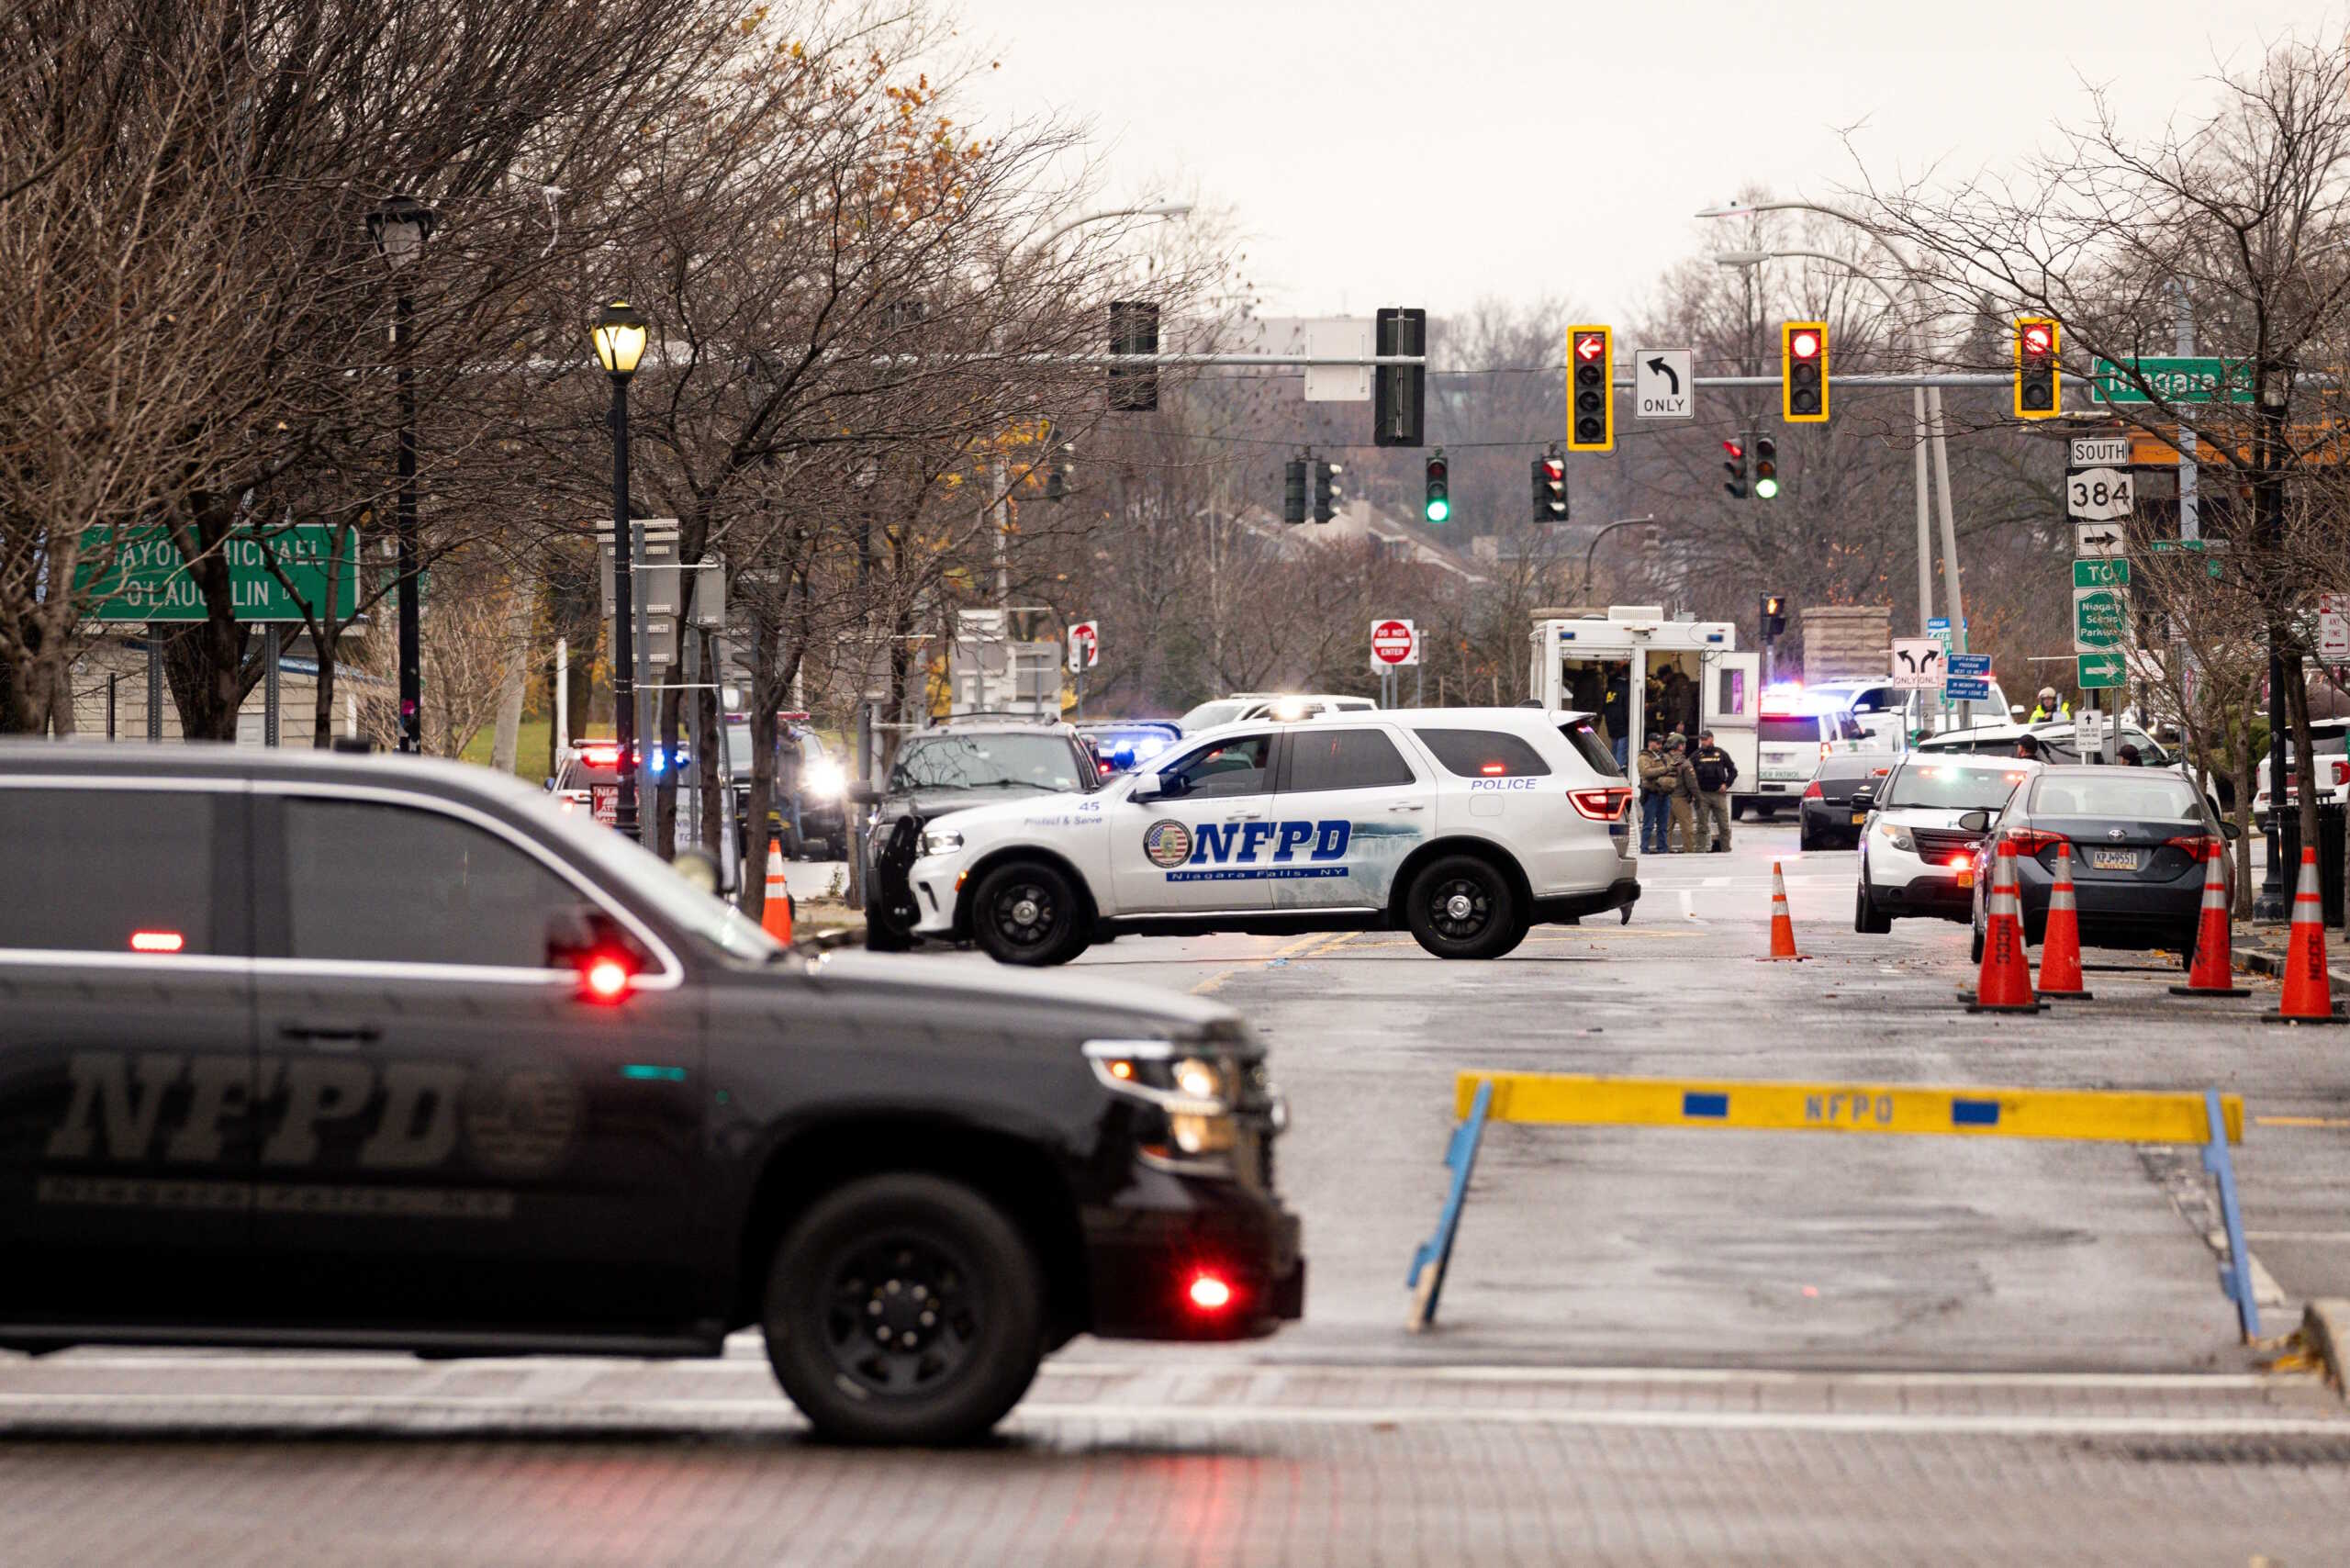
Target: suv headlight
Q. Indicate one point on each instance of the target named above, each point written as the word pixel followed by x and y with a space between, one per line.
pixel 1898 836
pixel 941 841
pixel 1196 1093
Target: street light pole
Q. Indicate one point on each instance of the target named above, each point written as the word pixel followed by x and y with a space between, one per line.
pixel 1927 404
pixel 1592 548
pixel 618 336
pixel 399 228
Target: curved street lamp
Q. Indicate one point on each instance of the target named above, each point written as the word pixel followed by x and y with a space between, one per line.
pixel 400 227
pixel 619 334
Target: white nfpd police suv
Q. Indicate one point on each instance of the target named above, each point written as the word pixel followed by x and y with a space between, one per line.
pixel 1465 824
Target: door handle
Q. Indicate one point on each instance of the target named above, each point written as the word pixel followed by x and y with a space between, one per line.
pixel 1415 806
pixel 1243 817
pixel 330 1034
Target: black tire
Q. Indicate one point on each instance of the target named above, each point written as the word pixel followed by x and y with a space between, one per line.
pixel 1806 842
pixel 1517 934
pixel 1025 912
pixel 882 936
pixel 954 1259
pixel 1737 810
pixel 1866 918
pixel 1460 907
pixel 2186 950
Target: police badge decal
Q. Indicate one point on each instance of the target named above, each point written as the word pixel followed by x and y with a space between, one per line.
pixel 1167 843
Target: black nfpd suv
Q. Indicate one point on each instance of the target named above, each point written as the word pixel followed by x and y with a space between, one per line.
pixel 302 1050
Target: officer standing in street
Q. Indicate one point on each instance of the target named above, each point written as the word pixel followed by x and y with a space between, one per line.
pixel 1716 773
pixel 1656 793
pixel 1684 794
pixel 2050 706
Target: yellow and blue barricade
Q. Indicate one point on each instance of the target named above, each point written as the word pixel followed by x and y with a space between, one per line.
pixel 2207 1119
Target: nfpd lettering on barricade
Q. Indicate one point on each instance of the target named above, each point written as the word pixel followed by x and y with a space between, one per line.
pixel 2204 1118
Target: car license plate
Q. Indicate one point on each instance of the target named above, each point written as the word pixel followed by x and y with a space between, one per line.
pixel 1859 817
pixel 2114 859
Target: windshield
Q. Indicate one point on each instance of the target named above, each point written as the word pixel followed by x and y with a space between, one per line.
pixel 1944 786
pixel 625 860
pixel 1208 715
pixel 1042 762
pixel 2127 795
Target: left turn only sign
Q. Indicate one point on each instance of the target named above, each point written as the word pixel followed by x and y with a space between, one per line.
pixel 1664 383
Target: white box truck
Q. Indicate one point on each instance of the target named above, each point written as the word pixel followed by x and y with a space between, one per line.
pixel 1637 670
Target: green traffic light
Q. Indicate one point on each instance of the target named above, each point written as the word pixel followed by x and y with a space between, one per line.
pixel 1766 488
pixel 1438 508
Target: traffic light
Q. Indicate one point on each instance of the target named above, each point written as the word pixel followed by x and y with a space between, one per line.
pixel 1399 393
pixel 2038 379
pixel 1326 495
pixel 1766 467
pixel 1550 488
pixel 1056 473
pixel 1773 620
pixel 1439 505
pixel 1803 372
pixel 1293 491
pixel 1591 399
pixel 1134 328
pixel 1734 464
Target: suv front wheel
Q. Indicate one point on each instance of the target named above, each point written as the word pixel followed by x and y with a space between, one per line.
pixel 904 1309
pixel 1460 907
pixel 1026 913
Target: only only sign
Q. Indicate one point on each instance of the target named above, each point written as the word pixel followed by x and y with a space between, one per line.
pixel 1395 643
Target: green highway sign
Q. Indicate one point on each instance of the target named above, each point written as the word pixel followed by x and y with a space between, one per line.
pixel 2201 547
pixel 2095 670
pixel 2100 574
pixel 2101 620
pixel 2173 381
pixel 145 579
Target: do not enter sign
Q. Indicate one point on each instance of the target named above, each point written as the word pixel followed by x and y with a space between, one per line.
pixel 1395 643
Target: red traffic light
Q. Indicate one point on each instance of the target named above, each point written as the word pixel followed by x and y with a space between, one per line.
pixel 2036 337
pixel 1735 448
pixel 1554 469
pixel 1589 346
pixel 1803 345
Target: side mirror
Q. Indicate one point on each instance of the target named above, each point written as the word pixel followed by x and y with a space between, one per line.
pixel 1975 822
pixel 2231 832
pixel 864 794
pixel 1148 787
pixel 548 782
pixel 700 868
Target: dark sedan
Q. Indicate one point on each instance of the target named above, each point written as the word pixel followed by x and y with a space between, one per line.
pixel 2138 839
pixel 1827 819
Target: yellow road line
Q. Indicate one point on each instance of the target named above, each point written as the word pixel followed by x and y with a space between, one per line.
pixel 2300 1121
pixel 1298 949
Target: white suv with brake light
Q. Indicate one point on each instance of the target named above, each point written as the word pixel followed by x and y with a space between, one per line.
pixel 1916 861
pixel 1465 826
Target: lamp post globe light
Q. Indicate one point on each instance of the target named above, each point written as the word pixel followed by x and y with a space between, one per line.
pixel 400 227
pixel 618 335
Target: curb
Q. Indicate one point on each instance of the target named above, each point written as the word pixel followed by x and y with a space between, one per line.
pixel 2261 961
pixel 2325 1330
pixel 832 937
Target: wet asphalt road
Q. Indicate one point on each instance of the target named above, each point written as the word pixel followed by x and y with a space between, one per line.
pixel 1655 1346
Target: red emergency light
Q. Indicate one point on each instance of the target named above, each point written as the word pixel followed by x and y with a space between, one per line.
pixel 157 942
pixel 600 756
pixel 1208 1293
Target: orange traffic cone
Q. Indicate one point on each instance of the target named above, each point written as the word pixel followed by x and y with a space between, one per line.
pixel 775 916
pixel 1783 929
pixel 2004 984
pixel 2309 991
pixel 2211 975
pixel 2060 950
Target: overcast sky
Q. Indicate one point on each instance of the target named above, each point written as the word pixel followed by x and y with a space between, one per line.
pixel 1379 152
